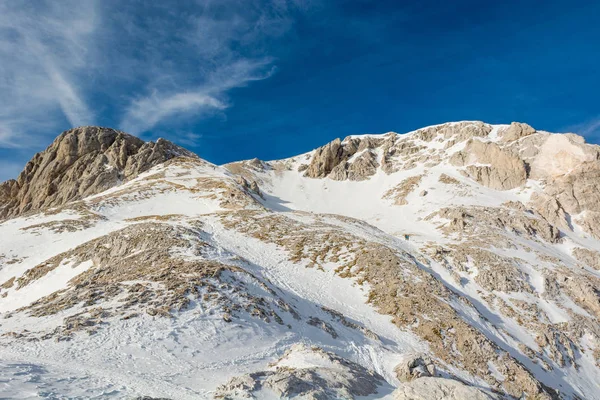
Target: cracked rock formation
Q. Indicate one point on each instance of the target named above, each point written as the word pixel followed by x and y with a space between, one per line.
pixel 457 261
pixel 79 163
pixel 307 373
pixel 489 165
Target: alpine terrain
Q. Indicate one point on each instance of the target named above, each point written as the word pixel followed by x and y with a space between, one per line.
pixel 458 261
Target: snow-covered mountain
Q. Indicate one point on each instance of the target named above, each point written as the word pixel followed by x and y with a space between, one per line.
pixel 458 261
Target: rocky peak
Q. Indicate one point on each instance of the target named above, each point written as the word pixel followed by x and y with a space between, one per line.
pixel 517 130
pixel 331 160
pixel 81 162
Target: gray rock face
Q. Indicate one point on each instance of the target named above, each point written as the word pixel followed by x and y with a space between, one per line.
pixel 414 366
pixel 331 377
pixel 326 158
pixel 331 159
pixel 571 170
pixel 491 166
pixel 516 130
pixel 79 163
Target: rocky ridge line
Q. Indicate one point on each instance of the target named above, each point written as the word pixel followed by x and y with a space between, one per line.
pixel 82 162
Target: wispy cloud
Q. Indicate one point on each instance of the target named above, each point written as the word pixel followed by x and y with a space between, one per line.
pixel 589 129
pixel 205 99
pixel 135 66
pixel 226 41
pixel 43 49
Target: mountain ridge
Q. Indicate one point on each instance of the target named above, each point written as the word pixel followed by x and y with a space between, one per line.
pixel 440 261
pixel 80 162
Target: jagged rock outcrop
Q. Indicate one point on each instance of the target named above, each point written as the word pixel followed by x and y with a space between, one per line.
pixel 490 223
pixel 587 257
pixel 326 158
pixel 251 186
pixel 560 155
pixel 571 170
pixel 308 373
pixel 488 164
pixel 515 131
pixel 414 366
pixel 79 163
pixel 457 131
pixel 331 159
pixel 499 290
pixel 360 169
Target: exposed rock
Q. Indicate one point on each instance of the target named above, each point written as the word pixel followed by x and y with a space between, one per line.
pixel 476 220
pixel 448 180
pixel 81 162
pixel 414 366
pixel 440 389
pixel 147 252
pixel 368 143
pixel 561 154
pixel 491 166
pixel 587 257
pixel 551 210
pixel 338 316
pixel 308 373
pixel 331 159
pixel 558 344
pixel 571 171
pixel 251 186
pixel 248 168
pixel 319 323
pixel 397 287
pixel 399 193
pixel 590 222
pixel 458 131
pixel 584 290
pixel 326 158
pixel 515 131
pixel 363 167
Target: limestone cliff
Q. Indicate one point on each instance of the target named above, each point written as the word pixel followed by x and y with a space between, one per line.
pixel 79 163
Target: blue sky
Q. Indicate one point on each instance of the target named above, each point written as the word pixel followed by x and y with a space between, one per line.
pixel 235 79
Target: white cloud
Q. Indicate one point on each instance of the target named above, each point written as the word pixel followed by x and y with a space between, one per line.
pixel 146 112
pixel 206 99
pixel 225 41
pixel 43 48
pixel 70 63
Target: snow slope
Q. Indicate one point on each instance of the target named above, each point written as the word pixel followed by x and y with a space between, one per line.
pixel 275 288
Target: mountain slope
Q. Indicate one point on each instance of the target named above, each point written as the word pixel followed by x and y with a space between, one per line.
pixel 79 163
pixel 460 258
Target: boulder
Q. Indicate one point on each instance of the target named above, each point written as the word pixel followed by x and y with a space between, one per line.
pixel 515 131
pixel 414 366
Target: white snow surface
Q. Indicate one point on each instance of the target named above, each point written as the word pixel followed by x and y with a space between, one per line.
pixel 187 357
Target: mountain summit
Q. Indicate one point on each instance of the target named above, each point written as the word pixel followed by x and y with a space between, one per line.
pixel 457 261
pixel 81 162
